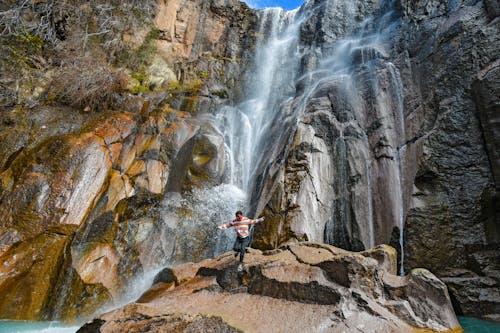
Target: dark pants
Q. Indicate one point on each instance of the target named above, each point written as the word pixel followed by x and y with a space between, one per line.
pixel 239 246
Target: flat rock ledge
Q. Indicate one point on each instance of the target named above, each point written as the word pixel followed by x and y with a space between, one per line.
pixel 303 287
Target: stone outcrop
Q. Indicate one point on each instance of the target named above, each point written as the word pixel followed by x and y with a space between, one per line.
pixel 297 288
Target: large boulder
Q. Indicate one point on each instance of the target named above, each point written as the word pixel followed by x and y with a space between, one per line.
pixel 297 288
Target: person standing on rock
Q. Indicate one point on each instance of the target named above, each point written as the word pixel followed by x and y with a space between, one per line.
pixel 242 226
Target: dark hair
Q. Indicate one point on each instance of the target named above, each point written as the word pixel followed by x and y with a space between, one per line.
pixel 239 213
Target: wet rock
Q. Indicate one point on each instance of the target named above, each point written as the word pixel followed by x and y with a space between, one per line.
pixel 201 161
pixel 166 275
pixel 99 264
pixel 343 170
pixel 300 288
pixel 52 199
pixel 26 294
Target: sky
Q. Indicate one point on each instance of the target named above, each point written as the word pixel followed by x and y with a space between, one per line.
pixel 285 4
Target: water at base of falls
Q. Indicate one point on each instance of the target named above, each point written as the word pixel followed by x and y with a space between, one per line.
pixel 474 325
pixel 21 326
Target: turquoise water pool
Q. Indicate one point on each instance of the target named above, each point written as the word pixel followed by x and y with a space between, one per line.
pixel 7 326
pixel 474 325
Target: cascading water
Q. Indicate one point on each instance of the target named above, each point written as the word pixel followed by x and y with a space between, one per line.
pixel 246 126
pixel 362 95
pixel 188 220
pixel 370 205
pixel 256 129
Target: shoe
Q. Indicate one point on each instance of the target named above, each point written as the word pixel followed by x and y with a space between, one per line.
pixel 236 254
pixel 240 267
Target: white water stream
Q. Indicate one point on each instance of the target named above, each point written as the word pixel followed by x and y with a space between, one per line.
pixel 276 62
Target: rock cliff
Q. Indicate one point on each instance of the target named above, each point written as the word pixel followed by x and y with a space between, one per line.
pixel 84 169
pixel 393 140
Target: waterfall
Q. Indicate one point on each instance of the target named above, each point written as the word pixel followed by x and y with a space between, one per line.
pixel 351 62
pixel 397 88
pixel 188 219
pixel 259 129
pixel 246 126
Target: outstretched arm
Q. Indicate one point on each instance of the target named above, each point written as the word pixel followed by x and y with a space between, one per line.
pixel 225 226
pixel 257 220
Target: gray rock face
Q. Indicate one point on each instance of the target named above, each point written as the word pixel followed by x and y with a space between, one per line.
pixel 454 191
pixel 399 147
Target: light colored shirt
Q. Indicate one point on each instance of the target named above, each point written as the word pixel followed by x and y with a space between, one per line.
pixel 241 226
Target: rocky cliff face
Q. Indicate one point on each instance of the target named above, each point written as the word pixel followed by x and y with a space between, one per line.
pixel 81 189
pixel 454 192
pixel 303 287
pixel 125 140
pixel 389 146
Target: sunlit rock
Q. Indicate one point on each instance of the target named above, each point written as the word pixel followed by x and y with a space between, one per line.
pixel 303 283
pixel 159 73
